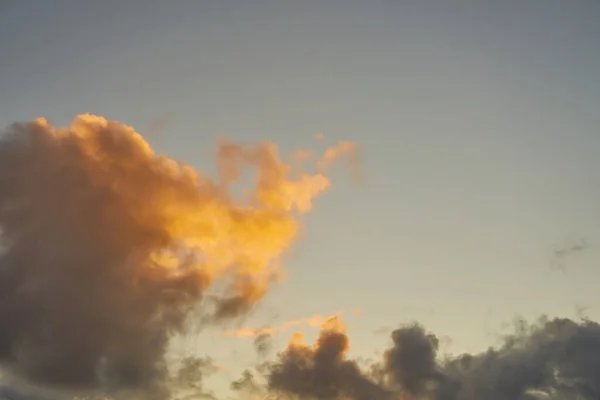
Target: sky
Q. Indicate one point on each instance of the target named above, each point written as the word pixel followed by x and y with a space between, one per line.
pixel 477 125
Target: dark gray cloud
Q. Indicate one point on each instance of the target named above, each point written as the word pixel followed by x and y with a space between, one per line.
pixel 552 359
pixel 411 362
pixel 247 384
pixel 263 344
pixel 556 359
pixel 323 372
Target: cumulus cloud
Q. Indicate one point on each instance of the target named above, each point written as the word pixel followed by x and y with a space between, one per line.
pixel 321 371
pixel 108 248
pixel 551 359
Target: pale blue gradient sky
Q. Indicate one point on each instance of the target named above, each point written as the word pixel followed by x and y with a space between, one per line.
pixel 479 126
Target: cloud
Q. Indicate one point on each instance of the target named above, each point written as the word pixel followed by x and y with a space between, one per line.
pixel 550 359
pixel 322 371
pixel 411 362
pixel 109 248
pixel 262 344
pixel 384 330
pixel 157 126
pixel 358 311
pixel 560 255
pixel 314 321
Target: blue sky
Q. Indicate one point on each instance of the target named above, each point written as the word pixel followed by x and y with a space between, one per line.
pixel 478 123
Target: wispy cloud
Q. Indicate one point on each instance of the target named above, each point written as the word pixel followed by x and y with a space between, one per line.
pixel 314 321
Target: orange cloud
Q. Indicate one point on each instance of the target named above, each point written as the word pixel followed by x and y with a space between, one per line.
pixel 316 321
pixel 113 236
